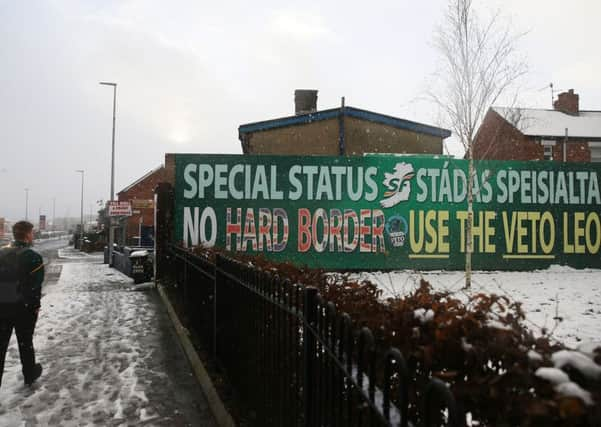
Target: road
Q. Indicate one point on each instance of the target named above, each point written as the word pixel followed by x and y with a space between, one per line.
pixel 49 248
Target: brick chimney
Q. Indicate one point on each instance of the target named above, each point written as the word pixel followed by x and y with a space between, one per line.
pixel 305 101
pixel 567 102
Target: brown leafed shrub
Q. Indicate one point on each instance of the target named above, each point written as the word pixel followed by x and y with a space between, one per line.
pixel 480 347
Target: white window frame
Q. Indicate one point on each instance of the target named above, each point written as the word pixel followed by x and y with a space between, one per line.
pixel 595 147
pixel 548 145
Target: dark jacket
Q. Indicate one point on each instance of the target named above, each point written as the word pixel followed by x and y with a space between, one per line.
pixel 31 274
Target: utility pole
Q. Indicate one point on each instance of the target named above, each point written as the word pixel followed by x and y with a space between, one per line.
pixel 565 146
pixel 26 204
pixel 111 237
pixel 81 218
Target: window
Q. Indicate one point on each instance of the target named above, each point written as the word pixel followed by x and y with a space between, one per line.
pixel 548 148
pixel 595 151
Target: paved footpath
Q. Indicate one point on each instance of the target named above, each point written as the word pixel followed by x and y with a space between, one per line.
pixel 109 354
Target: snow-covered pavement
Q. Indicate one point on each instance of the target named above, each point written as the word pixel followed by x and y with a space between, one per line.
pixel 109 357
pixel 560 300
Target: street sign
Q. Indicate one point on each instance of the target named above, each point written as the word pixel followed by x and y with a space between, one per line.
pixel 119 208
pixel 142 204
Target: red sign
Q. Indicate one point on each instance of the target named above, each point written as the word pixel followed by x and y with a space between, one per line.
pixel 119 208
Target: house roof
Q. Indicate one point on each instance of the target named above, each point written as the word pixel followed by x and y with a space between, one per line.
pixel 139 180
pixel 552 123
pixel 348 112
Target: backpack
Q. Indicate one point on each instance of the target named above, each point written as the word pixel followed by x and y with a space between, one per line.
pixel 10 292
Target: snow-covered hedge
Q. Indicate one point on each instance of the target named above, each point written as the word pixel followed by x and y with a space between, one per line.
pixel 500 373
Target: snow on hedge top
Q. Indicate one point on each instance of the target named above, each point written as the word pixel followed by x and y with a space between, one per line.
pixel 578 361
pixel 534 356
pixel 423 315
pixel 553 375
pixel 552 123
pixel 571 389
pixel 589 348
pixel 492 323
pixel 563 385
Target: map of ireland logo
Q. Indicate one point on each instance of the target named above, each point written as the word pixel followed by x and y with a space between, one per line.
pixel 398 185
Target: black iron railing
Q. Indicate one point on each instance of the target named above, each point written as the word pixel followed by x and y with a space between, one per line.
pixel 291 357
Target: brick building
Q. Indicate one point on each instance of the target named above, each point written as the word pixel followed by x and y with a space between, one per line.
pixel 141 196
pixel 564 133
pixel 338 131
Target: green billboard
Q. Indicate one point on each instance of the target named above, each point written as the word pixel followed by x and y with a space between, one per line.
pixel 390 212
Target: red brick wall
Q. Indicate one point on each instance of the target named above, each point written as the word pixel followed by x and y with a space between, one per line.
pixel 575 151
pixel 144 190
pixel 497 139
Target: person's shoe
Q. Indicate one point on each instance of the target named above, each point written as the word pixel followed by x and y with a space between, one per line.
pixel 35 374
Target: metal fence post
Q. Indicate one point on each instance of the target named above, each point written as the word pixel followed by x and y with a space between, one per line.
pixel 309 344
pixel 216 281
pixel 185 287
pixel 438 396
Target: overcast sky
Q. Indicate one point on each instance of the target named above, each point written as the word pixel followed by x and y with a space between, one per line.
pixel 190 72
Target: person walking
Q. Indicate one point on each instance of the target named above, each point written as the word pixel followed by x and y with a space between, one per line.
pixel 21 277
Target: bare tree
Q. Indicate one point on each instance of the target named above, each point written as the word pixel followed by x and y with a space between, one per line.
pixel 479 63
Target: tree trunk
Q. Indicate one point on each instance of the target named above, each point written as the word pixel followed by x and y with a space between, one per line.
pixel 470 218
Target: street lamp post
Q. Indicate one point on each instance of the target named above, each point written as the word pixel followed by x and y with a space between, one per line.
pixel 111 237
pixel 81 218
pixel 26 204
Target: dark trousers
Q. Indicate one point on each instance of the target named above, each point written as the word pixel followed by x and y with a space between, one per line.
pixel 23 322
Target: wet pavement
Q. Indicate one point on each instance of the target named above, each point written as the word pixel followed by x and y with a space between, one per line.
pixel 109 354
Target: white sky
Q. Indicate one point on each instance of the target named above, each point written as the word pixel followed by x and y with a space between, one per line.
pixel 191 72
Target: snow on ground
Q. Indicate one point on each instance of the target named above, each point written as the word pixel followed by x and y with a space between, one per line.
pixel 109 357
pixel 561 300
pixel 69 253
